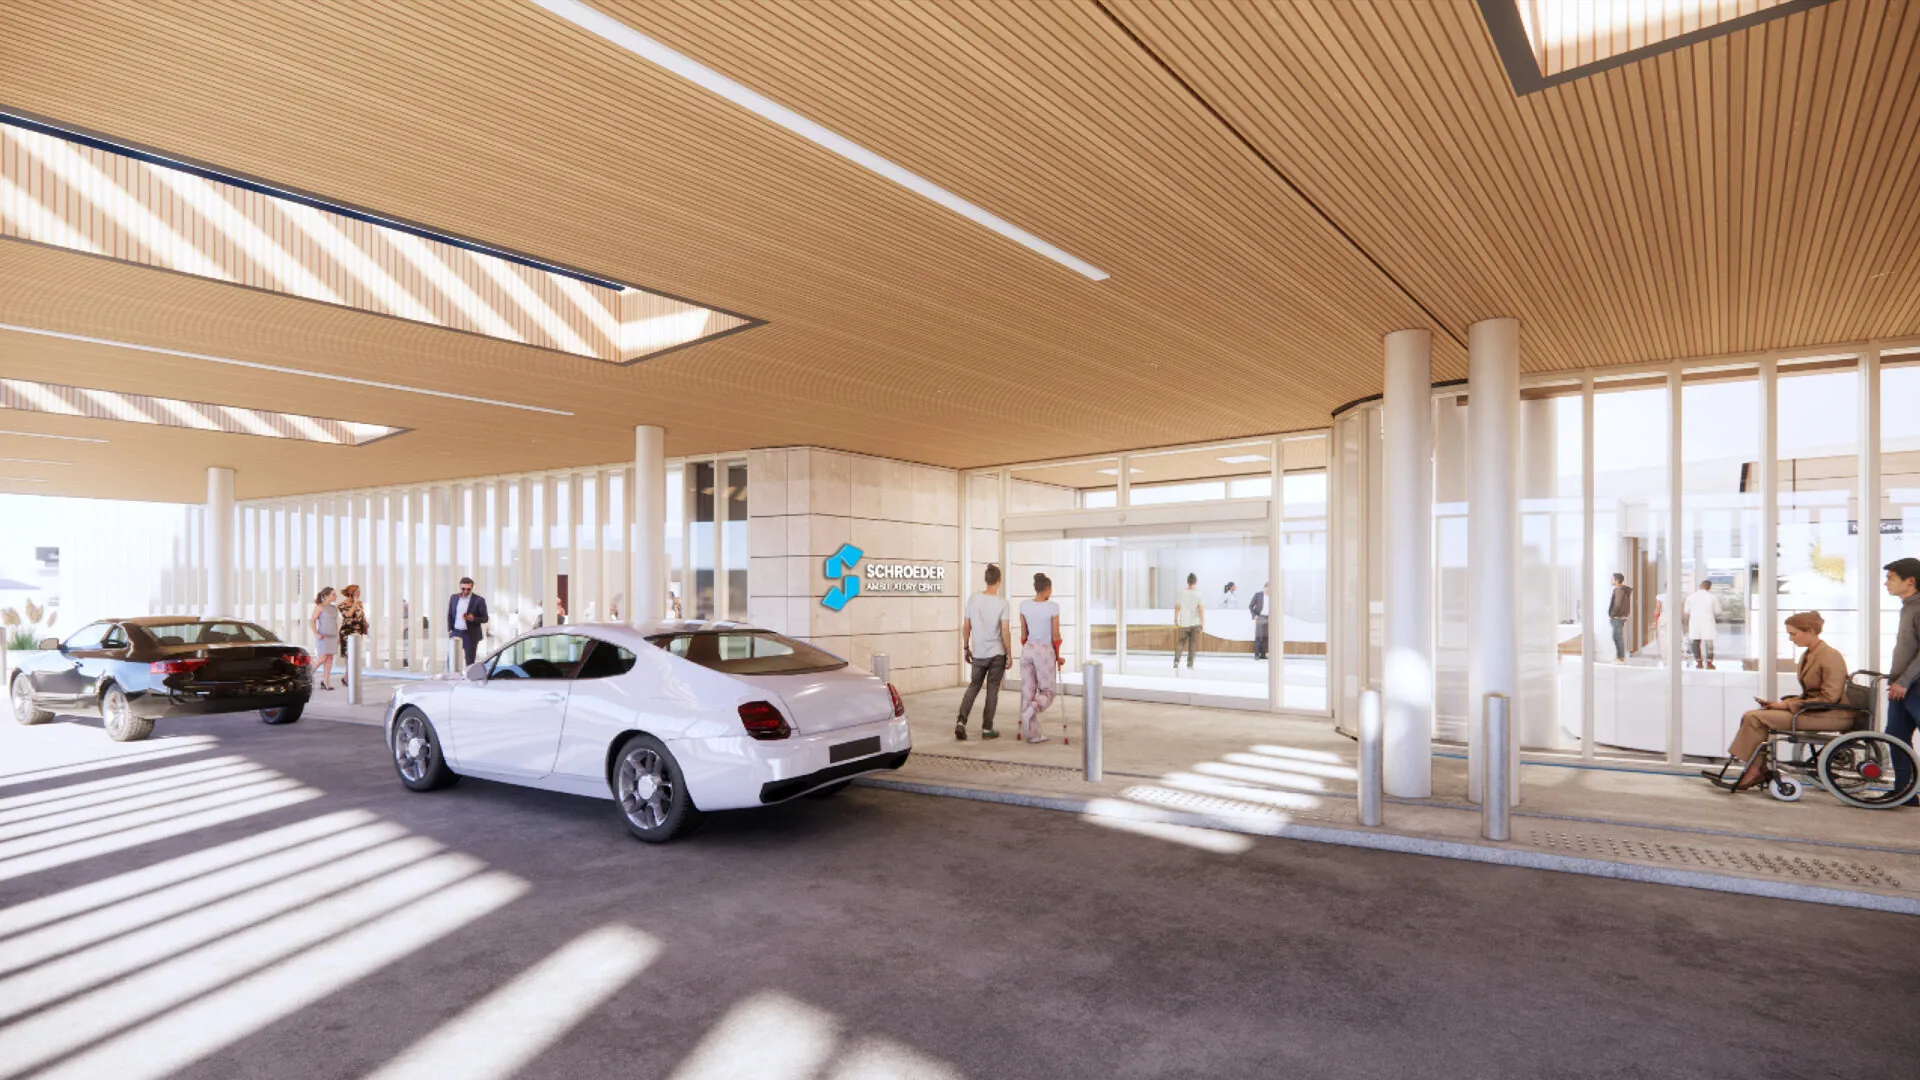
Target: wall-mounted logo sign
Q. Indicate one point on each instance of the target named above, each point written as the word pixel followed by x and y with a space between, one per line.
pixel 851 578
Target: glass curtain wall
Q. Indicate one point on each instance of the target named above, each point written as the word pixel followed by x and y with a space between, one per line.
pixel 1817 467
pixel 1719 553
pixel 1899 514
pixel 1550 703
pixel 1297 634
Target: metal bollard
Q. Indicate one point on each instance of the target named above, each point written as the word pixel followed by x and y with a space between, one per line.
pixel 1372 737
pixel 1496 785
pixel 356 666
pixel 1090 683
pixel 880 667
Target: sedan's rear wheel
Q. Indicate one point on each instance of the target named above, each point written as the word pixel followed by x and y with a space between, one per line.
pixel 116 713
pixel 652 792
pixel 24 710
pixel 416 752
pixel 282 714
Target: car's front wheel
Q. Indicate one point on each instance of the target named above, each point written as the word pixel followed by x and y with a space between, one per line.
pixel 416 752
pixel 116 713
pixel 652 792
pixel 282 714
pixel 24 710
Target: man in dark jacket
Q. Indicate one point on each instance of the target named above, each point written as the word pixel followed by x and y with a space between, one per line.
pixel 467 617
pixel 1258 608
pixel 1620 609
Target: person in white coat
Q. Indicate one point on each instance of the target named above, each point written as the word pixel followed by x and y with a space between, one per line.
pixel 1702 613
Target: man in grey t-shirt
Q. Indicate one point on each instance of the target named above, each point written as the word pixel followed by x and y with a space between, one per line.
pixel 984 630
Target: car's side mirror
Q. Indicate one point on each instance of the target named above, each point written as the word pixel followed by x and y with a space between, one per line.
pixel 476 672
pixel 50 643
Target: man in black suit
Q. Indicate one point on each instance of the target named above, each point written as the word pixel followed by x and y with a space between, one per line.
pixel 467 617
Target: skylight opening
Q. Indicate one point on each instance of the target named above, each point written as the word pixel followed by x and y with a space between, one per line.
pixel 80 401
pixel 1546 42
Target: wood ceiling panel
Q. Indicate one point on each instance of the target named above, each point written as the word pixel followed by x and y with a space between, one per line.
pixel 1755 191
pixel 1737 194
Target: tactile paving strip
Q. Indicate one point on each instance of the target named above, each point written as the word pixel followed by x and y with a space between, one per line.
pixel 1208 804
pixel 1773 864
pixel 956 763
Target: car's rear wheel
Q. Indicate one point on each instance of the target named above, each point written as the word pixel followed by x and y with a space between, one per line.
pixel 652 791
pixel 283 714
pixel 24 710
pixel 416 752
pixel 116 714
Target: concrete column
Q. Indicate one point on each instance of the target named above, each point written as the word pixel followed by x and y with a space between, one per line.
pixel 650 525
pixel 1872 581
pixel 1406 418
pixel 1493 528
pixel 219 543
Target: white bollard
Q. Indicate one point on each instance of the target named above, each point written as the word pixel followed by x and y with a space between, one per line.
pixel 1090 736
pixel 881 669
pixel 356 666
pixel 1372 739
pixel 1496 737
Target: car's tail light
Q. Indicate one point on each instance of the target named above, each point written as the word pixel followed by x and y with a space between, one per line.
pixel 177 667
pixel 299 659
pixel 899 707
pixel 763 721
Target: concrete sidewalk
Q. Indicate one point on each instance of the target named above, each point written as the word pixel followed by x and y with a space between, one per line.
pixel 1202 776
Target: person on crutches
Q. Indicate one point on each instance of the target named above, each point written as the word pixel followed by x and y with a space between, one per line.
pixel 1039 656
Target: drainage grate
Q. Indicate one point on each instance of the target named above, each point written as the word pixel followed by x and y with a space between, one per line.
pixel 1786 865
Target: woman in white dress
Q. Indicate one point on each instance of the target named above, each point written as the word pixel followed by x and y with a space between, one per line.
pixel 1039 656
pixel 325 624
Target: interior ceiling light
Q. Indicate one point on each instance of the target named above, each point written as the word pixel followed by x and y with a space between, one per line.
pixel 1546 42
pixel 44 435
pixel 1242 459
pixel 273 368
pixel 79 401
pixel 1116 472
pixel 639 44
pixel 33 461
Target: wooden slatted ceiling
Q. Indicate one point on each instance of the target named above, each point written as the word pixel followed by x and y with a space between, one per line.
pixel 1737 194
pixel 1724 197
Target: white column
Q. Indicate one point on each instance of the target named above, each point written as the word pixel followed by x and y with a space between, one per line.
pixel 219 543
pixel 1406 608
pixel 1765 628
pixel 649 599
pixel 1276 568
pixel 1493 527
pixel 1871 579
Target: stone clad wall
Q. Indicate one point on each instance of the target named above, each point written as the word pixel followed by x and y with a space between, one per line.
pixel 803 503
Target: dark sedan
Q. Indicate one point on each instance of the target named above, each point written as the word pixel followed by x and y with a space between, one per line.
pixel 136 671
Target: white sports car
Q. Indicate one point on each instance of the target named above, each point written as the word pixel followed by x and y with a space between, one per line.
pixel 667 719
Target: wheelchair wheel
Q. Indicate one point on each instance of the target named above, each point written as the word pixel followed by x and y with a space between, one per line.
pixel 1858 768
pixel 1784 789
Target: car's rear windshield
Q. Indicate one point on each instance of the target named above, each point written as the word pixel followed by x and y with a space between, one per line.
pixel 205 633
pixel 747 652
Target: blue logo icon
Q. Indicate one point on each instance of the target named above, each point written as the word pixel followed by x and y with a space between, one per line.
pixel 840 569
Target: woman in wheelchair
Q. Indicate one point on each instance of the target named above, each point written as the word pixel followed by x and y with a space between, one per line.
pixel 1823 681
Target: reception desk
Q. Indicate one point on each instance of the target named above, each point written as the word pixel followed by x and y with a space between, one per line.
pixel 1630 705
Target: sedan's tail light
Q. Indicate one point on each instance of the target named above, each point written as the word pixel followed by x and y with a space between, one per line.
pixel 763 721
pixel 299 659
pixel 899 707
pixel 177 667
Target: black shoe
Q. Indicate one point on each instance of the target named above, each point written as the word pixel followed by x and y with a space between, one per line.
pixel 989 733
pixel 960 731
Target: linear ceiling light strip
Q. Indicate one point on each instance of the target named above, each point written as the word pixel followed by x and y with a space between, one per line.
pixel 86 402
pixel 282 370
pixel 44 435
pixel 639 44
